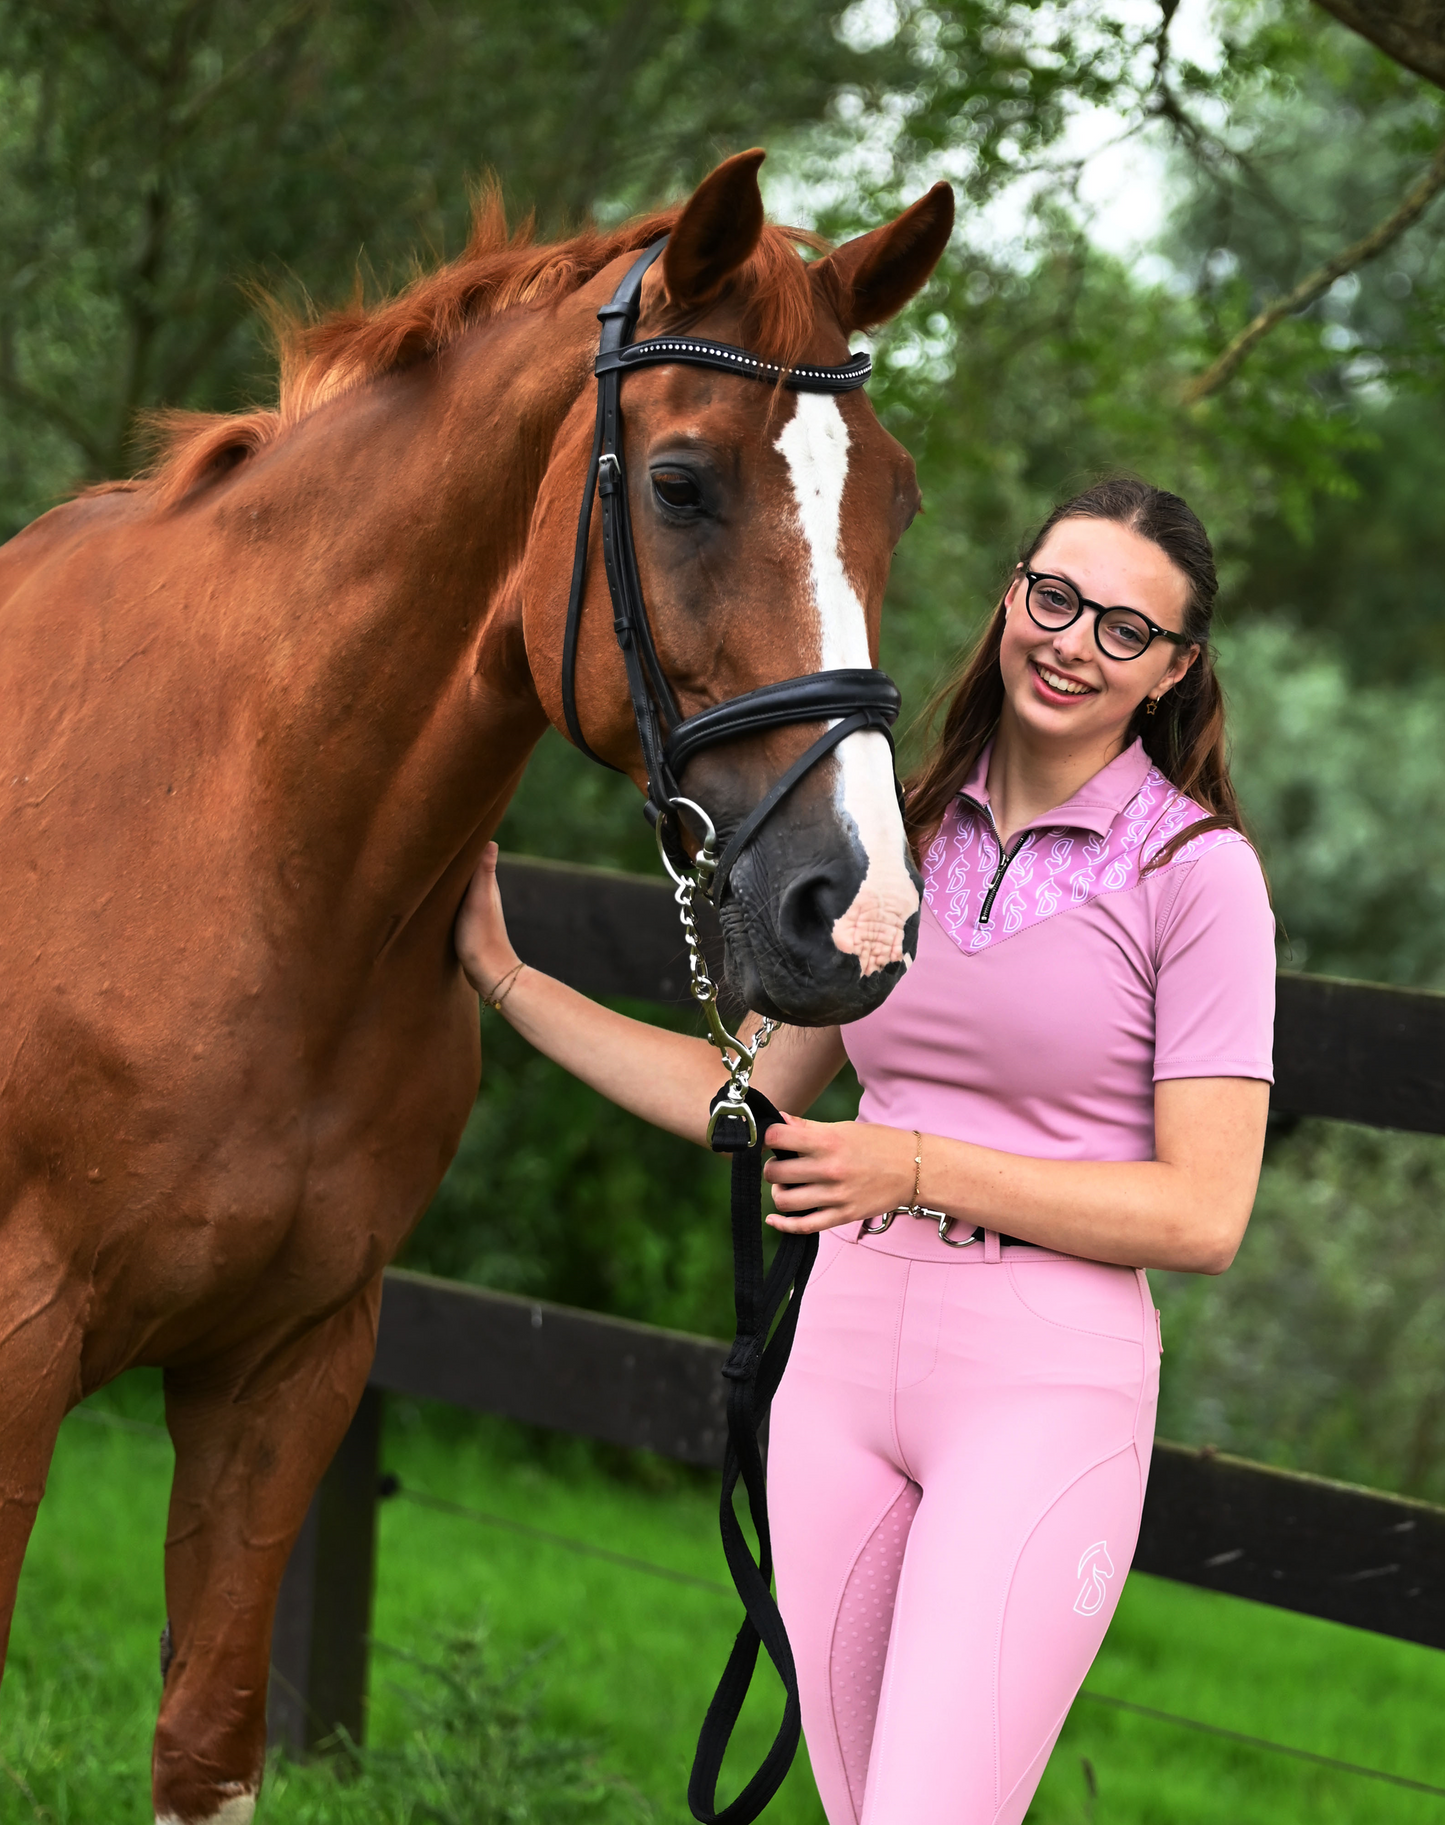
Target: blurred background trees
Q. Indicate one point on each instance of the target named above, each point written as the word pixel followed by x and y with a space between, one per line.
pixel 1136 181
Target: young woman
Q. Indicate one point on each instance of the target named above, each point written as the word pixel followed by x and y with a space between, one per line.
pixel 1069 1086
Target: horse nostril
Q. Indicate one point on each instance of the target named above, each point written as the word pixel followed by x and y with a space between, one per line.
pixel 811 904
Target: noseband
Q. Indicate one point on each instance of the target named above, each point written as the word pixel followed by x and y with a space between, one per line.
pixel 853 698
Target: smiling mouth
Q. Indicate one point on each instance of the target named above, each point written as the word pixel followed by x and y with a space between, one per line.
pixel 1056 681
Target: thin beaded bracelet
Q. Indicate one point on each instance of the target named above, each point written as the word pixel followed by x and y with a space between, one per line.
pixel 495 1000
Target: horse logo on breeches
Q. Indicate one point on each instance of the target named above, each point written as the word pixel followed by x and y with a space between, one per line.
pixel 1094 1561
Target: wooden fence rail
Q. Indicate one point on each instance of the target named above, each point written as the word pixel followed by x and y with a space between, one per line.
pixel 1350 1051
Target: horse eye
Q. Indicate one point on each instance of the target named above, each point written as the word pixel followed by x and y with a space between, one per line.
pixel 676 489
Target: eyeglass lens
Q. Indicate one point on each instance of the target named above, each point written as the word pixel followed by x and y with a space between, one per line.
pixel 1054 604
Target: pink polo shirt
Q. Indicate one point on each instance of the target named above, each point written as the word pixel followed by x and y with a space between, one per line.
pixel 1043 1028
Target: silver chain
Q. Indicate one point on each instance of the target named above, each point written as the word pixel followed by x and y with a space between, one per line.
pixel 738 1055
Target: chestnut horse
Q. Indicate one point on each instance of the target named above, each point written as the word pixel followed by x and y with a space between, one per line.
pixel 263 708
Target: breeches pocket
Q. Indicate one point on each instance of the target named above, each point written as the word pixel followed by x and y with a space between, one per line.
pixel 1087 1296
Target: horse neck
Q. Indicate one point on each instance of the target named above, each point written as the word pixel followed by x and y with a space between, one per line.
pixel 402 710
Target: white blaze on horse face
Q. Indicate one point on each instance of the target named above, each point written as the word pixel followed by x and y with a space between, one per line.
pixel 814 443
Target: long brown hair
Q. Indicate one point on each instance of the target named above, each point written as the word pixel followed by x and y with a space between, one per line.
pixel 1184 738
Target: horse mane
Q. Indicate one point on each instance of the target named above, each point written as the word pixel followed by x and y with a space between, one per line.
pixel 320 356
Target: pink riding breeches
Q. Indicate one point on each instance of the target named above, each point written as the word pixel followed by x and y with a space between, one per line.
pixel 956 1471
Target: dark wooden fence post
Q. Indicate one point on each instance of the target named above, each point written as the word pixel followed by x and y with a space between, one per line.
pixel 323 1613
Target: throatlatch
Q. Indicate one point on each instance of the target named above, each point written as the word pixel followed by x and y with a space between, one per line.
pixel 844 701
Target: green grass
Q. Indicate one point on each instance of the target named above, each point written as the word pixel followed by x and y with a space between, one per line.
pixel 629 1659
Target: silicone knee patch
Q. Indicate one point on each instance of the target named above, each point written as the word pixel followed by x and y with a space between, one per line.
pixel 860 1638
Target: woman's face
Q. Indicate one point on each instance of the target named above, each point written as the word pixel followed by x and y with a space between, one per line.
pixel 1059 686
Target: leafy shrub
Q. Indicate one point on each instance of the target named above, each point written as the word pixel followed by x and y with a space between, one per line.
pixel 1320 1348
pixel 1341 779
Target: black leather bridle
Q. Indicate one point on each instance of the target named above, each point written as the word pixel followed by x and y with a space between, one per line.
pixel 857 697
pixel 852 699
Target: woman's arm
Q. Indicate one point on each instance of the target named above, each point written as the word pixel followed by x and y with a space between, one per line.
pixel 1185 1209
pixel 667 1078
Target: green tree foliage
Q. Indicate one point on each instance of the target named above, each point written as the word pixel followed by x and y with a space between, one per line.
pixel 1340 777
pixel 1027 367
pixel 583 1202
pixel 157 160
pixel 1321 1347
pixel 1323 135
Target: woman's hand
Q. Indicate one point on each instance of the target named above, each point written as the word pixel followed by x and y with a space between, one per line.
pixel 844 1172
pixel 481 933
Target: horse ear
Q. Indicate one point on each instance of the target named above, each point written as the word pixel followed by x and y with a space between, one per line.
pixel 872 278
pixel 716 232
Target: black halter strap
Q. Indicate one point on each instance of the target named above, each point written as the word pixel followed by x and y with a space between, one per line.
pixel 850 699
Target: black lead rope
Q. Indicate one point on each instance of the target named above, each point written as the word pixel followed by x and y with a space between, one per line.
pixel 753 1369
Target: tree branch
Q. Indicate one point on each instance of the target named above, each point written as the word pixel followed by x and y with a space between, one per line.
pixel 1161 102
pixel 193 111
pixel 1167 10
pixel 1410 31
pixel 105 19
pixel 1370 247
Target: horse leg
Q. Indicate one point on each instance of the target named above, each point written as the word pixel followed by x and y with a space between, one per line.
pixel 252 1441
pixel 40 1346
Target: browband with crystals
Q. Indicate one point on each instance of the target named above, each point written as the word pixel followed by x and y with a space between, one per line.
pixel 697 351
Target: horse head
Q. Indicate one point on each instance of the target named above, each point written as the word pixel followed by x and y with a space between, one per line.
pixel 764 522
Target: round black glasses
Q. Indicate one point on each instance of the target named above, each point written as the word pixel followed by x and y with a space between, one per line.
pixel 1120 633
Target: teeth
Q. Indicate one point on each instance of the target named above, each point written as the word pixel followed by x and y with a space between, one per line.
pixel 1060 683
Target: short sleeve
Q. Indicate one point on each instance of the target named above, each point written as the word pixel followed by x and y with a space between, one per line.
pixel 1214 996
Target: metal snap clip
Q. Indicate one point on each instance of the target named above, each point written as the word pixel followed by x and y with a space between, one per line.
pixel 945 1223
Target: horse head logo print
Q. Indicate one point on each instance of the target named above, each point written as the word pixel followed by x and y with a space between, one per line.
pixel 1096 1562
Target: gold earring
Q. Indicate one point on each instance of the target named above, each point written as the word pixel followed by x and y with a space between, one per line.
pixel 1151 706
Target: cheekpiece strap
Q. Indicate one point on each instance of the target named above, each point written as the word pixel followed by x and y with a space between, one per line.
pixel 606 479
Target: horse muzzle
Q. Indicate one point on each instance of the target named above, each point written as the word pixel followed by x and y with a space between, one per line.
pixel 817 933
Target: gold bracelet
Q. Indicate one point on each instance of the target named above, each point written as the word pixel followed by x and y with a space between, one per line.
pixel 875 1226
pixel 495 1000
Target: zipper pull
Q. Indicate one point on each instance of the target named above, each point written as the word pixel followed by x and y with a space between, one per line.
pixel 1005 856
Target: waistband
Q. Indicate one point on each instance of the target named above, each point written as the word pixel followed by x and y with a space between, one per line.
pixel 917 1239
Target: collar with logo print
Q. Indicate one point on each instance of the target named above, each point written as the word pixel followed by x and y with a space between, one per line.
pixel 1060 976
